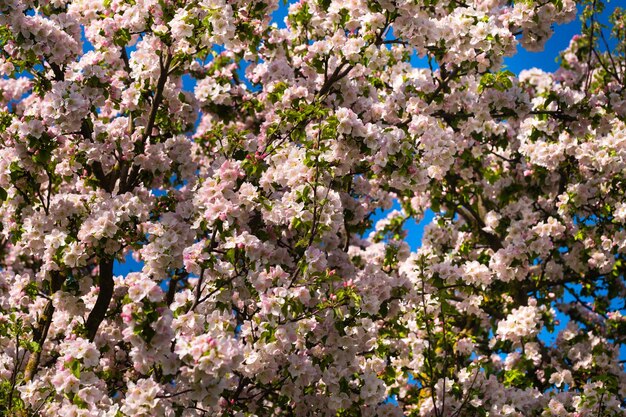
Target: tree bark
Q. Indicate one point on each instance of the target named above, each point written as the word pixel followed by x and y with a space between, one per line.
pixel 104 298
pixel 40 332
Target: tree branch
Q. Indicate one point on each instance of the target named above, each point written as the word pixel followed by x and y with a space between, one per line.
pixel 128 183
pixel 104 298
pixel 40 332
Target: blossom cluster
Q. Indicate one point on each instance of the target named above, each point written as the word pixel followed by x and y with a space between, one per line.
pixel 243 165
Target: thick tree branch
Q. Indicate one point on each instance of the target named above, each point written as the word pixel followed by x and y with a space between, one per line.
pixel 341 71
pixel 40 332
pixel 104 298
pixel 171 289
pixel 470 216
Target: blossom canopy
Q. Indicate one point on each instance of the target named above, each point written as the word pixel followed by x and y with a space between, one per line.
pixel 268 285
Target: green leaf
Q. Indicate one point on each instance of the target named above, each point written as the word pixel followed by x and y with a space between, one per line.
pixel 75 368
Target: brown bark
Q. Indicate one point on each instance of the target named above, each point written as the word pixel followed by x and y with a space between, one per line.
pixel 104 298
pixel 40 331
